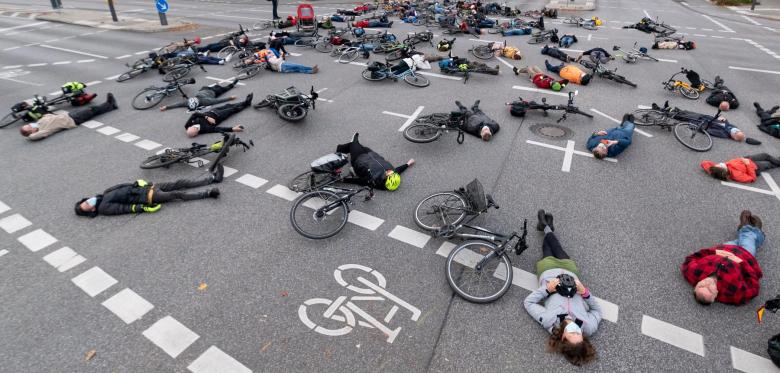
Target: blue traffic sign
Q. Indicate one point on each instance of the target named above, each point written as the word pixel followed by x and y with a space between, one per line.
pixel 162 6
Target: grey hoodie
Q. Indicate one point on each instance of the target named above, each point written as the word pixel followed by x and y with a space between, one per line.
pixel 556 304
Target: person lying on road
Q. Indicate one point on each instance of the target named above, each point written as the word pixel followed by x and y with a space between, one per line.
pixel 566 41
pixel 278 63
pixel 770 120
pixel 674 44
pixel 728 273
pixel 597 55
pixel 540 79
pixel 50 124
pixel 143 196
pixel 610 143
pixel 557 54
pixel 567 310
pixel 207 95
pixel 571 73
pixel 719 127
pixel 370 168
pixel 743 169
pixel 179 45
pixel 517 31
pixel 722 94
pixel 208 122
pixel 477 122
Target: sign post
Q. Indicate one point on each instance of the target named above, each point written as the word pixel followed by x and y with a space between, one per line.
pixel 112 10
pixel 162 7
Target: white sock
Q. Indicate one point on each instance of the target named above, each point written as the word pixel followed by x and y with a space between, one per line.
pixel 547 229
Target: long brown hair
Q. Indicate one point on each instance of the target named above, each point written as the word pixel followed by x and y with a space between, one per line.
pixel 576 354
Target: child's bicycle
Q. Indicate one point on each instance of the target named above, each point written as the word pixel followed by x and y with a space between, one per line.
pixel 693 87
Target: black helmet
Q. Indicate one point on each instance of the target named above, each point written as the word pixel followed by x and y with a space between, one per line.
pixel 567 286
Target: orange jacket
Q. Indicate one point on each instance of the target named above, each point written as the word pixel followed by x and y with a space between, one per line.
pixel 739 170
pixel 572 73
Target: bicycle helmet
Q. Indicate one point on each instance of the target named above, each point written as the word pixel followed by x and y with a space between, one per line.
pixel 193 103
pixel 359 32
pixel 556 86
pixel 393 181
pixel 643 50
pixel 463 67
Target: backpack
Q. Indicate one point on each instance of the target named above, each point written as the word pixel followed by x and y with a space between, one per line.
pixel 518 108
pixel 329 163
pixel 445 63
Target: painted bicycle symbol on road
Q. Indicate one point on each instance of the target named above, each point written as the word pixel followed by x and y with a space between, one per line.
pixel 343 309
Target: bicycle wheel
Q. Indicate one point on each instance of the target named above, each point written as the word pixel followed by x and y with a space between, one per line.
pixel 305 42
pixel 482 52
pixel 176 74
pixel 323 46
pixel 309 180
pixel 292 112
pixel 417 80
pixel 439 210
pixel 148 98
pixel 537 40
pixel 161 160
pixel 348 56
pixel 570 21
pixel 262 25
pixel 649 117
pixel 477 273
pixel 226 52
pixel 395 55
pixel 263 103
pixel 422 133
pixel 693 137
pixel 707 84
pixel 621 79
pixel 319 214
pixel 369 75
pixel 688 92
pixel 248 72
pixel 9 119
pixel 589 26
pixel 129 75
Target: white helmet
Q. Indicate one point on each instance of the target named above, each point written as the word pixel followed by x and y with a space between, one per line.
pixel 193 103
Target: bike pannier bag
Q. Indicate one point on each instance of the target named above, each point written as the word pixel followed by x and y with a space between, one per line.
pixel 329 163
pixel 517 109
pixel 476 195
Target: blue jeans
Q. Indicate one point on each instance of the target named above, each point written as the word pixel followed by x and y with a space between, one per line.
pixel 628 127
pixel 516 31
pixel 566 41
pixel 288 67
pixel 749 238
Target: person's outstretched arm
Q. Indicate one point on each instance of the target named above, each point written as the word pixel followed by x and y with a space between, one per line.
pixel 536 310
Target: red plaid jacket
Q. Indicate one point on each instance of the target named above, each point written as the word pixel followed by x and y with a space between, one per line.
pixel 737 282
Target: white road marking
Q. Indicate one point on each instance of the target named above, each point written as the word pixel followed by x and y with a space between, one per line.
pixel 128 306
pixel 411 118
pixel 50 40
pixel 364 220
pixel 229 171
pixel 251 181
pixel 64 259
pixel 755 70
pixel 409 236
pixel 721 25
pixel 147 144
pixel 283 192
pixel 396 114
pixel 141 52
pixel 4 207
pixel 504 62
pixel 170 336
pixel 92 124
pixel 37 64
pixel 94 281
pixel 646 14
pixel 584 154
pixel 123 56
pixel 665 60
pixel 673 335
pixel 197 162
pixel 645 107
pixel 216 361
pixel 12 48
pixel 84 61
pixel 12 67
pixel 223 80
pixel 568 154
pixel 772 184
pixel 438 75
pixel 3 252
pixel 94 82
pixel 127 137
pixel 61 63
pixel 112 77
pixel 13 223
pixel 22 26
pixel 545 91
pixel 744 361
pixel 73 51
pixel 637 130
pixel 751 20
pixel 717 37
pixel 108 130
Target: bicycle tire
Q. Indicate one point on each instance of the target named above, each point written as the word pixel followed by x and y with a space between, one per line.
pixel 621 79
pixel 348 56
pixel 686 132
pixel 304 42
pixel 176 74
pixel 309 180
pixel 537 40
pixel 649 117
pixel 589 26
pixel 689 93
pixel 316 199
pixel 263 103
pixel 292 112
pixel 9 119
pixel 248 72
pixel 161 160
pixel 461 264
pixel 148 102
pixel 570 21
pixel 262 25
pixel 324 46
pixel 367 75
pixel 629 58
pixel 129 75
pixel 422 133
pixel 452 202
pixel 482 52
pixel 417 80
pixel 707 84
pixel 226 52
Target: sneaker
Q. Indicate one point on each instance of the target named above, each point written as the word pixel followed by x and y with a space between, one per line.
pixel 756 222
pixel 213 193
pixel 228 58
pixel 221 62
pixel 112 100
pixel 355 137
pixel 248 100
pixel 218 174
pixel 540 215
pixel 315 69
pixel 549 219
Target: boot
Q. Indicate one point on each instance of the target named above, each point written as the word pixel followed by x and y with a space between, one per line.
pixel 475 107
pixel 756 222
pixel 542 220
pixel 212 193
pixel 218 174
pixel 248 100
pixel 111 100
pixel 744 219
pixel 549 218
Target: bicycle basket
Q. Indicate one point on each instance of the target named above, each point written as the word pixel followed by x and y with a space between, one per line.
pixel 476 195
pixel 329 163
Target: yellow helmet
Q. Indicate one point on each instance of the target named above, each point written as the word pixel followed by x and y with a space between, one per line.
pixel 393 181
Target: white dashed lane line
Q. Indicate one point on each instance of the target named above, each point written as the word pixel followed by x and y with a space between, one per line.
pixel 37 240
pixel 3 252
pixel 283 192
pixel 13 223
pixel 673 335
pixel 410 236
pixel 251 181
pixel 364 220
pixel 216 361
pixel 128 306
pixel 127 137
pixel 754 70
pixel 94 281
pixel 744 361
pixel 64 259
pixel 4 207
pixel 147 144
pixel 73 51
pixel 108 130
pixel 92 124
pixel 229 171
pixel 170 336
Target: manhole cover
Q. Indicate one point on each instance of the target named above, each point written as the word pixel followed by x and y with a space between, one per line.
pixel 552 131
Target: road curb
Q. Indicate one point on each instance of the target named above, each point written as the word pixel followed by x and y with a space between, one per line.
pixel 102 21
pixel 571 5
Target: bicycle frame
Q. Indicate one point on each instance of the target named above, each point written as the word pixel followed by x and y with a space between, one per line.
pixel 345 195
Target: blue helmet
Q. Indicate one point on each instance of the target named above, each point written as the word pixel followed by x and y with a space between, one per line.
pixel 359 31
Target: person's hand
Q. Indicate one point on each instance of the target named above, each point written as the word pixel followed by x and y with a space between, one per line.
pixel 552 284
pixel 163 108
pixel 601 133
pixel 410 163
pixel 152 208
pixel 238 128
pixel 232 97
pixel 211 120
pixel 580 287
pixel 746 161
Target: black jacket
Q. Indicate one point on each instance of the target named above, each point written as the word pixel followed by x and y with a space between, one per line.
pixel 122 199
pixel 720 94
pixel 476 119
pixel 370 169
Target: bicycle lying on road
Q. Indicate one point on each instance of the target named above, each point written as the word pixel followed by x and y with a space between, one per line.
pixel 291 104
pixel 600 70
pixel 137 68
pixel 192 154
pixel 324 171
pixel 39 105
pixel 692 134
pixel 429 128
pixel 588 24
pixel 487 51
pixel 693 87
pixel 543 36
pixel 520 107
pixel 323 212
pixel 377 71
pixel 634 54
pixel 151 96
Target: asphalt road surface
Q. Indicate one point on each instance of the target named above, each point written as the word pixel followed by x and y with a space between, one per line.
pixel 219 285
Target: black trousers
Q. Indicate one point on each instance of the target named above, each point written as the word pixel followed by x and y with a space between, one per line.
pixel 175 190
pixel 275 4
pixel 764 161
pixel 354 149
pixel 223 112
pixel 551 247
pixel 217 88
pixel 764 114
pixel 82 115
